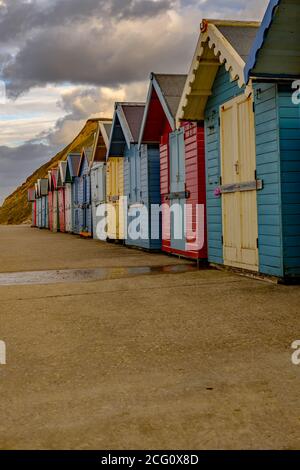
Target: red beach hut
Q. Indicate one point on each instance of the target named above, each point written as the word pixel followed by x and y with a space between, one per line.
pixel 182 168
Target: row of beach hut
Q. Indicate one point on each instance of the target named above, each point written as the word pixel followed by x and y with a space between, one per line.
pixel 222 143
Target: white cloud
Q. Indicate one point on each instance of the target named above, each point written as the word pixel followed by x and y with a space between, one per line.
pixel 82 64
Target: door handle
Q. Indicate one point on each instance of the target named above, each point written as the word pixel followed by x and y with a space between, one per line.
pixel 237 168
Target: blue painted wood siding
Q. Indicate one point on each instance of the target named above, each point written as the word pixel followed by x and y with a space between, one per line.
pixel 130 186
pixel 77 213
pixel 289 119
pixel 84 199
pixel 277 128
pixel 142 186
pixel 39 212
pixel 150 175
pixel 268 170
pixel 223 90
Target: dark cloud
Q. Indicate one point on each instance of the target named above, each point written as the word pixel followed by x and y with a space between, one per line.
pixel 94 43
pixel 20 17
pixel 17 162
pixel 101 42
pixel 82 42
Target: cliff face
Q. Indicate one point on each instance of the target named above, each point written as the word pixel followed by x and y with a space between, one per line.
pixel 16 209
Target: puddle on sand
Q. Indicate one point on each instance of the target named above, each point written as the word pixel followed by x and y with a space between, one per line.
pixel 81 275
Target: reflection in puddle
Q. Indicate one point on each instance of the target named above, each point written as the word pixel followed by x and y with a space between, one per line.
pixel 81 275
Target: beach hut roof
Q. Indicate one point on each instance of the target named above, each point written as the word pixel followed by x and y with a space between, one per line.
pixel 62 173
pixel 54 175
pixel 169 88
pixel 86 153
pixel 105 130
pixel 163 99
pixel 125 127
pixel 101 141
pixel 220 42
pixel 43 187
pixel 275 51
pixel 73 163
pixel 31 195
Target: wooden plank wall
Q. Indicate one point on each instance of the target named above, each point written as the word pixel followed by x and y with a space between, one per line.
pixel 289 119
pixel 268 170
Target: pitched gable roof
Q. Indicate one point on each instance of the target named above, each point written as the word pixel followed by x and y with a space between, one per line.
pixel 171 87
pixel 165 91
pixel 54 175
pixel 275 51
pixel 86 154
pixel 42 187
pixel 105 131
pixel 62 167
pixel 125 127
pixel 73 163
pixel 133 113
pixel 31 195
pixel 101 142
pixel 220 42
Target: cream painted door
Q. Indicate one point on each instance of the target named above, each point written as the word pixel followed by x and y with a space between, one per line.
pixel 115 198
pixel 239 208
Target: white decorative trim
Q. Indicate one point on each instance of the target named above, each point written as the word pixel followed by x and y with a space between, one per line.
pixel 103 132
pixel 227 56
pixel 124 124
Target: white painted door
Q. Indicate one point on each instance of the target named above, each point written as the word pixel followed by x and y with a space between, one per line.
pixel 239 208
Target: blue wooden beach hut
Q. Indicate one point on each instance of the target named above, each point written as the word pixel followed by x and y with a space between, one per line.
pixel 123 170
pixel 98 170
pixel 38 206
pixel 273 68
pixel 216 94
pixel 73 168
pixel 240 84
pixel 84 195
pixel 141 166
pixel 141 176
pixel 42 203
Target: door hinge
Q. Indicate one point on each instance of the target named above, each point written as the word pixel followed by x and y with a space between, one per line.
pixel 255 175
pixel 220 180
pixel 253 107
pixel 222 240
pixel 219 121
pixel 257 243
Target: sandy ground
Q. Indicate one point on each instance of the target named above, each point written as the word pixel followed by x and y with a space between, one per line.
pixel 195 360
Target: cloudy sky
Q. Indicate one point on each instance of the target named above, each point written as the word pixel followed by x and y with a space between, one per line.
pixel 66 60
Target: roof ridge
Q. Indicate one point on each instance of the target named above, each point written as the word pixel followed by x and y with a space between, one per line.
pixel 236 23
pixel 98 120
pixel 169 74
pixel 127 103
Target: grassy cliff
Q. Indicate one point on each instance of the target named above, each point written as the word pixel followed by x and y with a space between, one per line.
pixel 16 209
